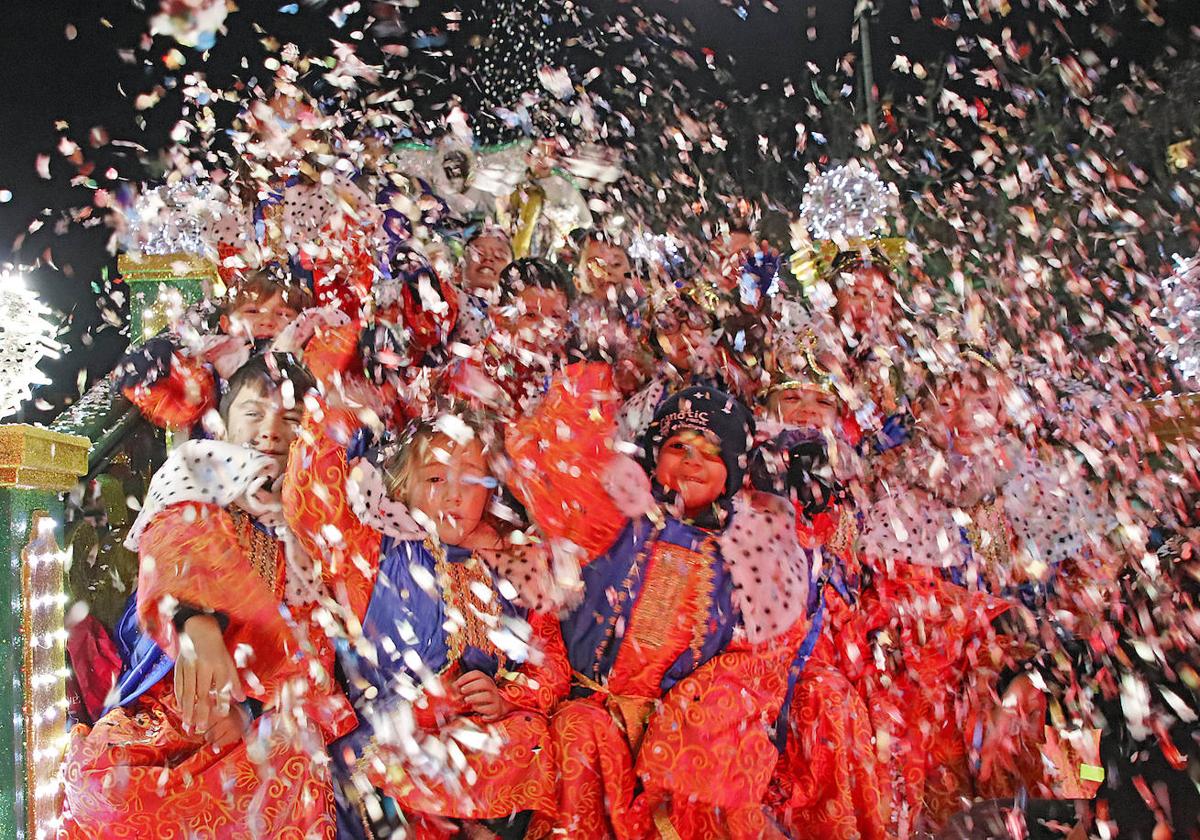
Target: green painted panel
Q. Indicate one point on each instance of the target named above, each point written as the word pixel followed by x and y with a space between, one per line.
pixel 144 294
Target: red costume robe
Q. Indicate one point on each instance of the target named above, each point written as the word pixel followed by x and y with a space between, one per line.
pixel 137 773
pixel 932 561
pixel 680 669
pixel 829 781
pixel 369 548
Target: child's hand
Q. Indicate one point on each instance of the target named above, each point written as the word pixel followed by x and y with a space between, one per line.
pixel 262 498
pixel 228 730
pixel 206 677
pixel 226 353
pixel 481 695
pixel 626 376
pixel 297 334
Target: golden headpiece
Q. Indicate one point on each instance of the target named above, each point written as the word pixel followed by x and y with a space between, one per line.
pixel 824 259
pixel 812 377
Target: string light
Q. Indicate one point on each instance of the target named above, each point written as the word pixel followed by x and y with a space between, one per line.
pixel 26 338
pixel 846 202
pixel 43 565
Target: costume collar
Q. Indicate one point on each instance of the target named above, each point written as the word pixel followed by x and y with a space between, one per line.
pixel 204 471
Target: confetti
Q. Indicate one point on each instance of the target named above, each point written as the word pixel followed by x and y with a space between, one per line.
pixel 950 268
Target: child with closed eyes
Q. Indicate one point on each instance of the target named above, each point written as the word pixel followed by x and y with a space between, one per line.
pixel 447 643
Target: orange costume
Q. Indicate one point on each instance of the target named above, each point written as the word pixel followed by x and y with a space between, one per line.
pixel 137 773
pixel 681 643
pixel 829 781
pixel 934 558
pixel 389 575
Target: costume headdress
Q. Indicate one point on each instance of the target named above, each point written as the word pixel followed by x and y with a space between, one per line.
pixel 791 360
pixel 669 305
pixel 844 212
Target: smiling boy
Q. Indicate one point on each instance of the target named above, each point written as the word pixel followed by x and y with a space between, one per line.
pixel 226 597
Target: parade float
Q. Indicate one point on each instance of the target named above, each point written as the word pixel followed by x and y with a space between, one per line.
pixel 71 489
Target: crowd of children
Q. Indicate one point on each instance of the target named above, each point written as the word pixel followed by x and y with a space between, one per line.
pixel 467 545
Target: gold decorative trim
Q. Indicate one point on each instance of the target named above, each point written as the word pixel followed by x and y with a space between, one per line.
pixel 38 458
pixel 810 264
pixel 1175 418
pixel 154 268
pixel 662 822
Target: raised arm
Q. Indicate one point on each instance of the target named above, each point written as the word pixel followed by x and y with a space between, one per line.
pixel 561 454
pixel 171 389
pixel 319 510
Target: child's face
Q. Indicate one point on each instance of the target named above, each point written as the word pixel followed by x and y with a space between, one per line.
pixel 604 266
pixel 260 318
pixel 806 408
pixel 682 347
pixel 486 257
pixel 865 300
pixel 537 319
pixel 967 411
pixel 683 337
pixel 451 486
pixel 690 464
pixel 260 419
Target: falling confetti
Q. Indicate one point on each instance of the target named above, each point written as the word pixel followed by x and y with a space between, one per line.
pixel 439 207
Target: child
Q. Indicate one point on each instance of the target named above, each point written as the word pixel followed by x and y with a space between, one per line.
pixel 174 386
pixel 532 328
pixel 966 525
pixel 867 350
pixel 803 405
pixel 830 781
pixel 607 313
pixel 682 333
pixel 227 600
pixel 689 613
pixel 605 273
pixel 444 646
pixel 488 252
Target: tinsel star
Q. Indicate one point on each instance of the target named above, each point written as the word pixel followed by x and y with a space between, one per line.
pixel 171 219
pixel 26 338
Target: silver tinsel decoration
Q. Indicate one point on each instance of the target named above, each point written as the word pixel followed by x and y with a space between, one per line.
pixel 172 219
pixel 1180 314
pixel 26 338
pixel 847 202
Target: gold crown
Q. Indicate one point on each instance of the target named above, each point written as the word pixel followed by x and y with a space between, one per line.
pixel 820 379
pixel 813 262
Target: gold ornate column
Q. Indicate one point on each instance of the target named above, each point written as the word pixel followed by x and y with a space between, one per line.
pixel 161 285
pixel 36 467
